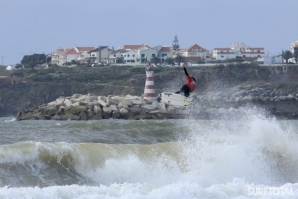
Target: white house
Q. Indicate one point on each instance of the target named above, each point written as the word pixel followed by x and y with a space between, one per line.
pixel 164 52
pixel 144 53
pixel 63 55
pixel 99 55
pixel 237 50
pixel 270 60
pixel 130 56
pixel 10 67
pixel 223 53
pixel 117 56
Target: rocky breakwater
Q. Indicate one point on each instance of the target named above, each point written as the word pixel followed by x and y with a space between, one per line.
pixel 91 107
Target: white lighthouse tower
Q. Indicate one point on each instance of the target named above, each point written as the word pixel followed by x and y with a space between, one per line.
pixel 149 91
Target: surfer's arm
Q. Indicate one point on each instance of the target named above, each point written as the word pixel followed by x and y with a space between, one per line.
pixel 185 70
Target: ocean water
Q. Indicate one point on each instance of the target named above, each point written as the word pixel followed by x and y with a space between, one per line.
pixel 255 157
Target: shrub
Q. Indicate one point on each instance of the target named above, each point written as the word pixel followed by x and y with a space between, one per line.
pixel 18 73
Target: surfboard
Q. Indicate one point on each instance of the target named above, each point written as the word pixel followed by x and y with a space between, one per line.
pixel 175 99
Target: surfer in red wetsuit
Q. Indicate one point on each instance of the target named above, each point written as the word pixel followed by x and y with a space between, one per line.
pixel 190 84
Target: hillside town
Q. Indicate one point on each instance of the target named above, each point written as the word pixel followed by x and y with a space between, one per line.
pixel 164 55
pixel 139 54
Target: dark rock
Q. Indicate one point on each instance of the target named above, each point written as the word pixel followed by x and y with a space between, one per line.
pixel 83 115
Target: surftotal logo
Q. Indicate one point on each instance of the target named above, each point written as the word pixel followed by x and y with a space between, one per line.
pixel 273 191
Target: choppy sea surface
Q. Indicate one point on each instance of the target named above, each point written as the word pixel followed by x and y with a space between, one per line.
pixel 175 159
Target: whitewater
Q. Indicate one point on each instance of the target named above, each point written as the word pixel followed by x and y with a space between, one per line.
pixel 251 157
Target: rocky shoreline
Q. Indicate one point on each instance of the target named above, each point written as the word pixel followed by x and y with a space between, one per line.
pixel 92 107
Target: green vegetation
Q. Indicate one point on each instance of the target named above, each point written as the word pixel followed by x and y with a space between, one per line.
pixel 176 45
pixel 287 55
pixel 179 59
pixel 155 60
pixel 170 61
pixel 30 61
pixel 34 86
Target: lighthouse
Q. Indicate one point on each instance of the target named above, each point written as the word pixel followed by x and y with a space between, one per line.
pixel 149 91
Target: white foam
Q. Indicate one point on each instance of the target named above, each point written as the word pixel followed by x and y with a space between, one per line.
pixel 178 190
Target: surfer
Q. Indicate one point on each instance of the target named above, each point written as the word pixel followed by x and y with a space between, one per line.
pixel 190 84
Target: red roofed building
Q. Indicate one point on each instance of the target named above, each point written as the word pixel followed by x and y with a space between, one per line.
pixel 194 54
pixel 63 55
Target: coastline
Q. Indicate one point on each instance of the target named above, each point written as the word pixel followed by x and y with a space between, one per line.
pixel 93 107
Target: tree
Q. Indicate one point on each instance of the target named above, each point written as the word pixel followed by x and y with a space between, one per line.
pixel 296 54
pixel 179 59
pixel 33 60
pixel 169 61
pixel 155 60
pixel 287 55
pixel 19 66
pixel 175 45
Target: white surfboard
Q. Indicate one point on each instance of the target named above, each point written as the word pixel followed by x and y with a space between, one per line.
pixel 175 99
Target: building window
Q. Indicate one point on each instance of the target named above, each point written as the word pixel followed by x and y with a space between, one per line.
pixel 127 55
pixel 114 55
pixel 164 55
pixel 142 55
pixel 153 55
pixel 133 55
pixel 258 51
pixel 222 56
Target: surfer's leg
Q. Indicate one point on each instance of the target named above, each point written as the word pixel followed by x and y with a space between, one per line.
pixel 186 90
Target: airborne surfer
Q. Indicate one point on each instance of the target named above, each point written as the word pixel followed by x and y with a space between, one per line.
pixel 190 84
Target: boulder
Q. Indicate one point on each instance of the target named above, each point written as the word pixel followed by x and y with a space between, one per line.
pixel 50 111
pixel 69 116
pixel 113 107
pixel 82 98
pixel 123 105
pixel 43 117
pixel 83 115
pixel 124 113
pixel 139 102
pixel 111 101
pixel 115 114
pixel 59 112
pixel 142 117
pixel 130 97
pixel 62 109
pixel 76 95
pixel 56 117
pixel 79 109
pixel 102 103
pixel 106 112
pixel 90 113
pixel 96 117
pixel 97 109
pixel 67 102
pixel 135 111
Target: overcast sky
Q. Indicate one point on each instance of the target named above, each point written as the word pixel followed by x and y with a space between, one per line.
pixel 42 26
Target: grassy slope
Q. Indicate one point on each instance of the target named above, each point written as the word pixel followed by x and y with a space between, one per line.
pixel 32 87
